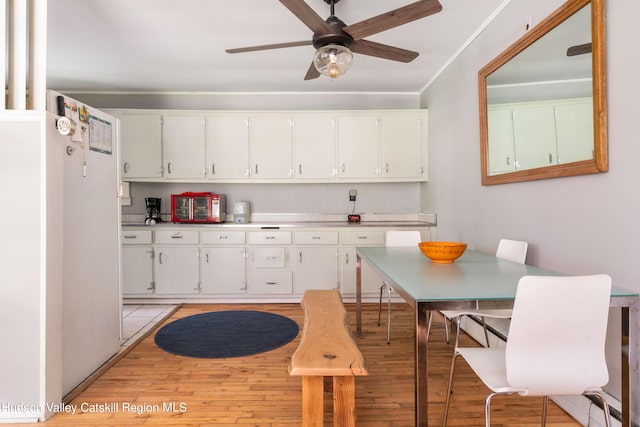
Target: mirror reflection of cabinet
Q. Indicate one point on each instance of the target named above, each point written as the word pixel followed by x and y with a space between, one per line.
pixel 548 141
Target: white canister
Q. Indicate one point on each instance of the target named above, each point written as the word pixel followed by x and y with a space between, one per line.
pixel 241 212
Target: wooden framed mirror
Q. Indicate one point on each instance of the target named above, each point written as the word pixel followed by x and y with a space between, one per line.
pixel 543 111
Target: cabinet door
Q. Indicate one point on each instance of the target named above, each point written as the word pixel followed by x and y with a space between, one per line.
pixel 177 270
pixel 535 137
pixel 183 146
pixel 141 146
pixel 358 147
pixel 223 271
pixel 502 152
pixel 270 147
pixel 137 270
pixel 314 140
pixel 371 281
pixel 574 128
pixel 316 268
pixel 227 147
pixel 401 146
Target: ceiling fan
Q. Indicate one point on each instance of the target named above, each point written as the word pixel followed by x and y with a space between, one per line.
pixel 334 40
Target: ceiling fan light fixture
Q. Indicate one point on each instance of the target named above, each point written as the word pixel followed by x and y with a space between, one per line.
pixel 332 60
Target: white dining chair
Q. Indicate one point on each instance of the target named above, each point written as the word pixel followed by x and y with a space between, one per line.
pixel 554 352
pixel 396 238
pixel 510 250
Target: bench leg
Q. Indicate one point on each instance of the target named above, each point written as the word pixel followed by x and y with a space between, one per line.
pixel 344 401
pixel 312 401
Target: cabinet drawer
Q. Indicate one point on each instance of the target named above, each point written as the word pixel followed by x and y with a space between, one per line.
pixel 362 238
pixel 272 282
pixel 136 237
pixel 269 237
pixel 316 237
pixel 187 237
pixel 222 237
pixel 268 257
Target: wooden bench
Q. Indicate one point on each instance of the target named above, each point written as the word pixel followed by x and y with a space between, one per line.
pixel 327 350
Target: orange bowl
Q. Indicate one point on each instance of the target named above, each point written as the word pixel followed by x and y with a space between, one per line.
pixel 442 252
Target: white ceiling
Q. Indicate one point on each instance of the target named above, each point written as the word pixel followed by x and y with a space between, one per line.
pixel 179 45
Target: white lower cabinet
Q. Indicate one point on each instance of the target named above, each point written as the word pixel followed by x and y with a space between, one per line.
pixel 227 263
pixel 316 260
pixel 223 270
pixel 137 270
pixel 370 279
pixel 137 262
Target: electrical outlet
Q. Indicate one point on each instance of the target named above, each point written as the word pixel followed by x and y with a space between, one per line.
pixel 352 195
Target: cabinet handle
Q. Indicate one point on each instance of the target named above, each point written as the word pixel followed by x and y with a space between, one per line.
pixel 256 169
pixel 300 256
pixel 362 237
pixel 169 168
pixel 550 158
pixel 130 236
pixel 270 237
pixel 271 258
pixel 271 283
pixel 508 160
pixel 346 258
pixel 386 167
pixel 343 168
pixel 177 236
pixel 206 257
pixel 125 167
pixel 152 286
pixel 160 258
pixel 213 168
pixel 300 169
pixel 223 237
pixel 315 237
pixel 197 288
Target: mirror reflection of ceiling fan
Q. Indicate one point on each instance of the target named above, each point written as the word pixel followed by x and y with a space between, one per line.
pixel 579 49
pixel 334 40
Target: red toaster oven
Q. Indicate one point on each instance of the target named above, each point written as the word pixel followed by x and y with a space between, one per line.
pixel 198 207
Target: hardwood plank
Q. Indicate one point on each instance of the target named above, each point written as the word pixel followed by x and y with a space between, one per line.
pixel 258 390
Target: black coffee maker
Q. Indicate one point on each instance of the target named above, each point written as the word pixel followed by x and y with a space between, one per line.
pixel 153 210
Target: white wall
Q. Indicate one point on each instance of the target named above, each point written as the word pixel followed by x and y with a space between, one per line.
pixel 291 198
pixel 575 225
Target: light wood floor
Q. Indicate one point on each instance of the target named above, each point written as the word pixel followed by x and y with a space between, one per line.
pixel 257 391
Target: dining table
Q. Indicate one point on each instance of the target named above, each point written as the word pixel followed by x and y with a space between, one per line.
pixel 478 280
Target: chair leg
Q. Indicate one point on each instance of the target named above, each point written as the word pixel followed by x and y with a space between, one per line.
pixel 389 315
pixel 545 405
pixel 446 329
pixel 429 324
pixel 457 324
pixel 449 389
pixel 380 305
pixel 487 409
pixel 605 406
pixel 486 333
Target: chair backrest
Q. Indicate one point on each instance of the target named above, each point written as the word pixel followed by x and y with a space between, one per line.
pixel 402 238
pixel 556 342
pixel 512 250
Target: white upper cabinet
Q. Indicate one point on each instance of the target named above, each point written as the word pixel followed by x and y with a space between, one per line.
pixel 255 146
pixel 401 145
pixel 141 145
pixel 227 147
pixel 534 136
pixel 358 138
pixel 502 152
pixel 574 129
pixel 270 147
pixel 314 145
pixel 183 146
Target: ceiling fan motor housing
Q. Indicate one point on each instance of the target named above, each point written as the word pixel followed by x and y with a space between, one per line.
pixel 338 37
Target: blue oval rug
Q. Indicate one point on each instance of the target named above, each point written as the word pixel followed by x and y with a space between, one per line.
pixel 222 334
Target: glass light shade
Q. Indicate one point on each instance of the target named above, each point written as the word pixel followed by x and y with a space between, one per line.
pixel 332 60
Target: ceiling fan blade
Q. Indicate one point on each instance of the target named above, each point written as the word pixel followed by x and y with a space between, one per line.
pixel 579 49
pixel 269 46
pixel 384 51
pixel 308 16
pixel 312 73
pixel 393 18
